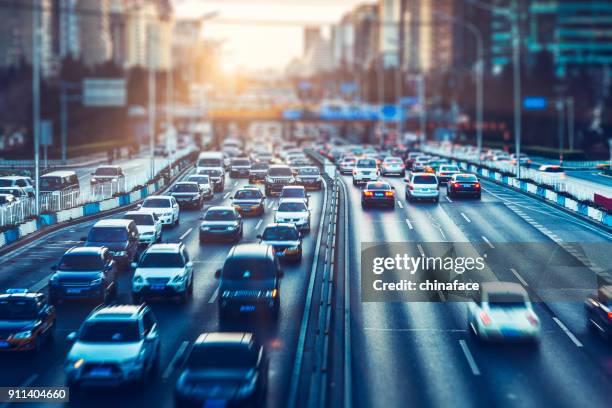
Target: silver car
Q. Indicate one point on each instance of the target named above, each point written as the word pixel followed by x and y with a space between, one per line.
pixel 422 186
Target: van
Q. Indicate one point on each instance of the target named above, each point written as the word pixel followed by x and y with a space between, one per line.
pixel 210 161
pixel 59 181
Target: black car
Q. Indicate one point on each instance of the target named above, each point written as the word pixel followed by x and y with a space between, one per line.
pixel 378 193
pixel 599 312
pixel 278 176
pixel 309 177
pixel 249 282
pixel 240 167
pixel 230 369
pixel 217 178
pixel 188 194
pixel 463 184
pixel 84 273
pixel 258 172
pixel 26 320
pixel 119 236
pixel 221 223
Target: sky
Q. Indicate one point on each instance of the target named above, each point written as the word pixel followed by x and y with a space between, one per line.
pixel 261 34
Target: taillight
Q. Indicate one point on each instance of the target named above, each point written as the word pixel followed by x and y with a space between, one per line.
pixel 389 193
pixel 610 315
pixel 456 185
pixel 477 185
pixel 368 193
pixel 484 317
pixel 410 187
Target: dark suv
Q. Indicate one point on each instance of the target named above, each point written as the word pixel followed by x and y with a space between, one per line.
pixel 278 176
pixel 249 282
pixel 119 236
pixel 84 273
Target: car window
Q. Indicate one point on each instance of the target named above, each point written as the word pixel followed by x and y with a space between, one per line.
pixel 280 172
pixel 157 203
pixel 148 321
pixel 6 183
pixel 220 215
pixel 293 193
pixel 292 207
pixel 21 183
pixel 281 234
pixel 424 180
pixel 248 269
pixel 106 171
pixel 107 234
pixel 17 309
pixel 222 356
pixel 140 219
pixel 364 164
pixel 185 188
pixel 308 171
pixel 466 178
pixel 199 179
pixel 81 262
pixel 506 300
pixel 162 260
pixel 247 194
pixel 110 332
pixel 240 162
pixel 378 186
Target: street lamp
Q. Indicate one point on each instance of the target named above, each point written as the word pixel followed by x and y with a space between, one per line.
pixel 36 51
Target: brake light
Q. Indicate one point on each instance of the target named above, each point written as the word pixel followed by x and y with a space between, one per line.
pixel 610 315
pixel 477 185
pixel 368 193
pixel 456 185
pixel 484 317
pixel 389 193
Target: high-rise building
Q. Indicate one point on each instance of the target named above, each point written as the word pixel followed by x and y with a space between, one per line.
pixel 94 31
pixel 312 35
pixel 365 26
pixel 343 42
pixel 389 29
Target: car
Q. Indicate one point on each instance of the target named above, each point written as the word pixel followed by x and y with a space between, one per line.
pixel 278 176
pixel 108 174
pixel 599 312
pixel 115 345
pixel 240 167
pixel 419 163
pixel 221 223
pixel 365 170
pixel 188 194
pixel 258 172
pixel 410 159
pixel 463 184
pixel 422 186
pixel 294 192
pixel 249 282
pixel 503 312
pixel 249 201
pixel 148 224
pixel 432 166
pixel 7 199
pixel 285 239
pixel 346 165
pixel 393 165
pixel 84 273
pixel 27 321
pixel 205 183
pixel 18 193
pixel 552 171
pixel 217 178
pixel 164 270
pixel 446 171
pixel 119 236
pixel 524 160
pixel 309 177
pixel 378 193
pixel 165 207
pixel 210 161
pixel 294 211
pixel 18 181
pixel 59 183
pixel 227 366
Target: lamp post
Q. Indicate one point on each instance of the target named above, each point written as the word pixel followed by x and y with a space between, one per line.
pixel 36 99
pixel 151 97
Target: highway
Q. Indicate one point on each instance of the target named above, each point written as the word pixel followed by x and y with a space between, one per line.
pixel 422 354
pixel 30 266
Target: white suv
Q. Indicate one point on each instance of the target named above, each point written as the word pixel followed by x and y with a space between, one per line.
pixel 293 211
pixel 115 345
pixel 422 186
pixel 166 208
pixel 164 270
pixel 365 170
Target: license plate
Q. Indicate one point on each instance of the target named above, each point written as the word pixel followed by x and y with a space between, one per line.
pixel 247 308
pixel 73 290
pixel 280 253
pixel 466 185
pixel 158 287
pixel 215 403
pixel 425 190
pixel 510 333
pixel 378 194
pixel 367 173
pixel 4 344
pixel 100 372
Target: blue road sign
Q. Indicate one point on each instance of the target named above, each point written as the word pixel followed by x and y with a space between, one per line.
pixel 535 103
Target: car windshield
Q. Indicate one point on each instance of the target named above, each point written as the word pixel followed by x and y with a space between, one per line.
pixel 200 179
pixel 365 164
pixel 308 171
pixel 80 262
pixel 248 269
pixel 10 190
pixel 280 172
pixel 156 203
pixel 51 182
pixel 209 162
pixel 106 171
pixel 222 356
pixel 161 260
pixel 17 309
pixel 220 215
pixel 281 234
pixel 292 207
pixel 247 194
pixel 449 168
pixel 211 172
pixel 6 183
pixel 185 188
pixel 260 166
pixel 140 219
pixel 240 162
pixel 110 332
pixel 293 193
pixel 393 161
pixel 468 178
pixel 424 180
pixel 506 300
pixel 107 234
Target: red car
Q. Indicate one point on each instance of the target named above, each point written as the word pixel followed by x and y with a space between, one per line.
pixel 463 184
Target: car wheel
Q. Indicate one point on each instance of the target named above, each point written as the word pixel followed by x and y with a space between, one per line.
pixel 190 288
pixel 176 222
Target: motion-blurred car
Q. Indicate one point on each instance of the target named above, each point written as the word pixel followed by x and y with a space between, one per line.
pixel 240 167
pixel 294 192
pixel 309 177
pixel 503 312
pixel 18 181
pixel 205 184
pixel 188 194
pixel 227 367
pixel 217 178
pixel 6 199
pixel 463 184
pixel 119 236
pixel 393 165
pixel 165 207
pixel 346 165
pixel 524 159
pixel 552 171
pixel 278 176
pixel 294 211
pixel 422 186
pixel 148 224
pixel 378 193
pixel 249 200
pixel 419 163
pixel 599 312
pixel 258 172
pixel 285 239
pixel 18 193
pixel 115 345
pixel 108 174
pixel 446 171
pixel 26 320
pixel 221 223
pixel 365 170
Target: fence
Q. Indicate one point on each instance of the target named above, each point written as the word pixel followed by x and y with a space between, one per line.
pixel 16 212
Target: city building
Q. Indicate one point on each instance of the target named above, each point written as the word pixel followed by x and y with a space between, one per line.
pixel 94 31
pixel 65 29
pixel 186 47
pixel 389 37
pixel 365 26
pixel 343 42
pixel 312 35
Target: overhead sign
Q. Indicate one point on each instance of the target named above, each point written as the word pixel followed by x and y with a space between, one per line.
pixel 535 103
pixel 104 92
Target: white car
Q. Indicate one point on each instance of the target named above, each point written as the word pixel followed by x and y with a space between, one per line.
pixel 365 170
pixel 446 171
pixel 293 211
pixel 346 165
pixel 422 186
pixel 115 345
pixel 205 184
pixel 148 224
pixel 165 207
pixel 18 181
pixel 503 313
pixel 290 192
pixel 164 270
pixel 393 165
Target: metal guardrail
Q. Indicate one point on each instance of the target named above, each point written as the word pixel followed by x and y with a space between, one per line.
pixel 14 213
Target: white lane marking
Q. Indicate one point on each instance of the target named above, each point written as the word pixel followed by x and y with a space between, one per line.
pixel 213 297
pixel 465 217
pixel 38 286
pixel 519 277
pixel 235 183
pixel 226 195
pixel 416 329
pixel 399 203
pixel 185 234
pixel 469 357
pixel 179 353
pixel 270 204
pixel 258 224
pixel 567 332
pixel 409 224
pixel 448 199
pixel 488 242
pixel 420 248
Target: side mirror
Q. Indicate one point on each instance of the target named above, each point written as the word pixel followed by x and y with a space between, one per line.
pixel 71 337
pixel 134 265
pixel 151 336
pixel 139 206
pixel 54 268
pixel 190 264
pixel 393 187
pixel 218 273
pixel 258 236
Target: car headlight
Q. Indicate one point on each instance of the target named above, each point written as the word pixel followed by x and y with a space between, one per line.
pixel 138 279
pixel 179 279
pixel 205 228
pixel 96 282
pixel 194 198
pixel 93 180
pixel 168 214
pixel 120 253
pixel 23 335
pixel 115 180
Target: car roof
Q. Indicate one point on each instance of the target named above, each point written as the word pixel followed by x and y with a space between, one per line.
pixel 191 183
pixel 20 295
pixel 169 248
pixel 423 174
pixel 228 338
pixel 60 173
pixel 158 196
pixel 280 224
pixel 293 188
pixel 114 222
pixel 139 212
pixel 220 208
pixel 108 167
pixel 279 166
pixel 378 184
pixel 293 200
pixel 116 312
pixel 15 177
pixel 253 250
pixel 86 250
